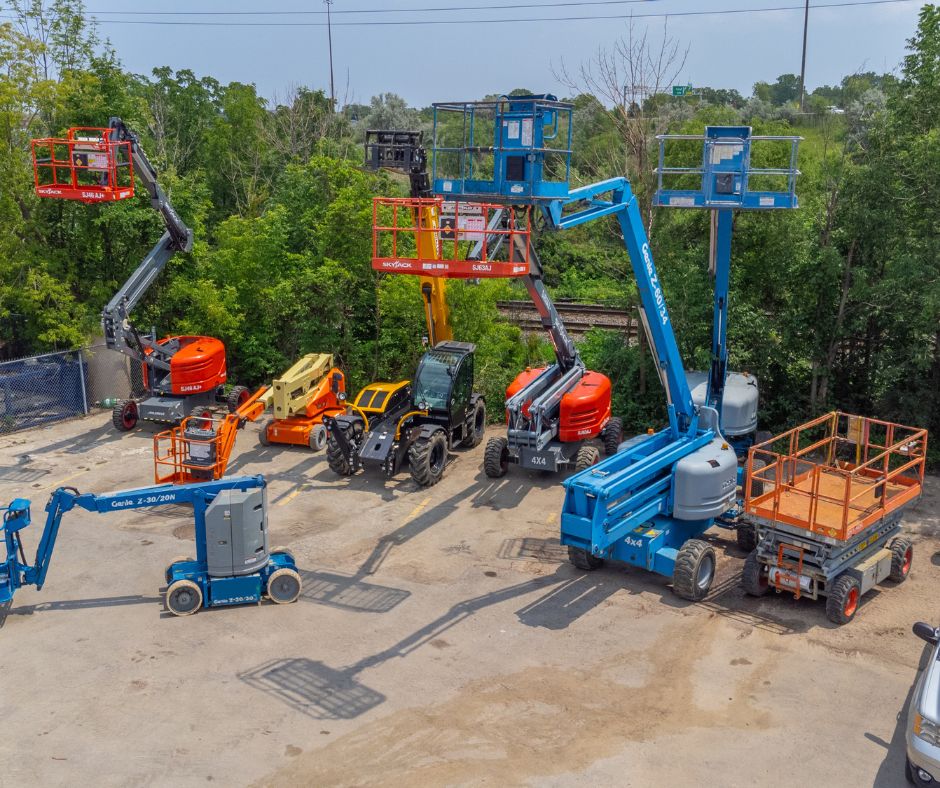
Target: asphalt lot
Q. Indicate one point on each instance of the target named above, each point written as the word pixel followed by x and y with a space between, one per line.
pixel 441 638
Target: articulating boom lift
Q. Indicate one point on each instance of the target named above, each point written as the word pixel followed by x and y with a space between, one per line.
pixel 554 411
pixel 180 373
pixel 647 504
pixel 233 564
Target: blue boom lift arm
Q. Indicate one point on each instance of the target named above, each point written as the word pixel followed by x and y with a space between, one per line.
pixel 15 571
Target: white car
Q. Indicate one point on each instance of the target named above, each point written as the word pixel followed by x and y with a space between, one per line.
pixel 923 716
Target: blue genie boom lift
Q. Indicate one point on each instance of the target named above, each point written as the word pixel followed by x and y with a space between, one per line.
pixel 233 563
pixel 647 504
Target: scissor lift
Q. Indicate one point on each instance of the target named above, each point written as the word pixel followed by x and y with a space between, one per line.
pixel 829 499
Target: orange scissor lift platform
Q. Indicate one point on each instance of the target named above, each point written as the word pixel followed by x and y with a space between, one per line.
pixel 827 497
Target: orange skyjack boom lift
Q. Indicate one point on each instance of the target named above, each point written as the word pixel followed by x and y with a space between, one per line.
pixel 199 449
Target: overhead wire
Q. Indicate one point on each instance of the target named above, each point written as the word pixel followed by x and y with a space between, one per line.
pixel 498 21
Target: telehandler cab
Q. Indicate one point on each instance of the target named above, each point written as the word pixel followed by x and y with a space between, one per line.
pixel 417 422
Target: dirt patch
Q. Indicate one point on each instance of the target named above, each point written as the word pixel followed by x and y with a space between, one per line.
pixel 540 721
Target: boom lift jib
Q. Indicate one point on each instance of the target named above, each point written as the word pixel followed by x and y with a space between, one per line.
pixel 233 565
pixel 180 373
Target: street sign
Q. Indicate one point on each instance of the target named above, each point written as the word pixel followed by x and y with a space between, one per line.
pixel 681 90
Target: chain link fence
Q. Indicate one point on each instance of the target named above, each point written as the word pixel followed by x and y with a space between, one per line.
pixel 55 386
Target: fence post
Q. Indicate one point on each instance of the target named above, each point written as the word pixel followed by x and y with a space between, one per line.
pixel 81 377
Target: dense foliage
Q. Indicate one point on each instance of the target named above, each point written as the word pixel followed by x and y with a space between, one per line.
pixel 834 305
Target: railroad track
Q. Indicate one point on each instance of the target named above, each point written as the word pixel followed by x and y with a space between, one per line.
pixel 578 318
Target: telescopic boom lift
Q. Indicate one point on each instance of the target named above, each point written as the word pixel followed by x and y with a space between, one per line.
pixel 647 504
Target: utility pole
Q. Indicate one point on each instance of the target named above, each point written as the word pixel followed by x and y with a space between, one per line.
pixel 329 39
pixel 803 66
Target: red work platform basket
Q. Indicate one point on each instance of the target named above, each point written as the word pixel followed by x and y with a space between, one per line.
pixel 429 236
pixel 86 165
pixel 835 475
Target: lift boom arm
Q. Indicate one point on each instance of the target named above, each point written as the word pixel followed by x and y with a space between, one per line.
pixel 119 333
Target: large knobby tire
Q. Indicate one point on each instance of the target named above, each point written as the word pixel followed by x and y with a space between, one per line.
pixel 335 457
pixel 695 570
pixel 284 586
pixel 427 458
pixel 496 458
pixel 754 577
pixel 902 554
pixel 317 438
pixel 757 485
pixel 843 599
pixel 582 559
pixel 124 415
pixel 183 598
pixel 477 426
pixel 237 397
pixel 263 438
pixel 588 456
pixel 612 436
pixel 746 536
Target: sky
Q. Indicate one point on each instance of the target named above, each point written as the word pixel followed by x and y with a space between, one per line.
pixel 468 59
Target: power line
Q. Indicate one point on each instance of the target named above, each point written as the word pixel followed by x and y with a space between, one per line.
pixel 515 20
pixel 377 10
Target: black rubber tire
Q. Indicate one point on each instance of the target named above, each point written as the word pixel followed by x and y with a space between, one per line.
pixel 427 458
pixel 582 559
pixel 237 396
pixel 496 458
pixel 757 485
pixel 693 577
pixel 746 536
pixel 902 554
pixel 612 436
pixel 263 435
pixel 843 599
pixel 183 598
pixel 475 438
pixel 317 438
pixel 335 457
pixel 124 415
pixel 588 456
pixel 754 577
pixel 762 436
pixel 284 586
